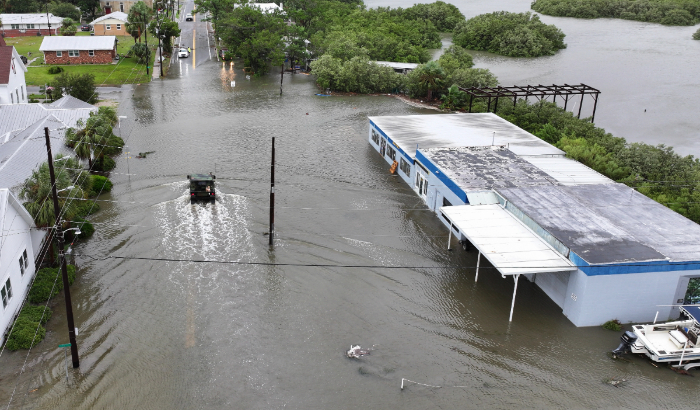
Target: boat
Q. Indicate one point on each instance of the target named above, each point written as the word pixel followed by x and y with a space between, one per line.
pixel 672 342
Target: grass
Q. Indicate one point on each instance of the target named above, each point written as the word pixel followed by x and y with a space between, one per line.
pixel 25 45
pixel 126 72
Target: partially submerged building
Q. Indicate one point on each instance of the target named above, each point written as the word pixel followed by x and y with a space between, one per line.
pixel 599 249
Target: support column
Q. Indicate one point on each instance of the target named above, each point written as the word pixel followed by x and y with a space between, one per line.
pixel 512 304
pixel 580 105
pixel 449 237
pixel 478 260
pixel 595 104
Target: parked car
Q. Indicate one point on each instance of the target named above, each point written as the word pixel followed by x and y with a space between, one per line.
pixel 182 53
pixel 188 17
pixel 85 27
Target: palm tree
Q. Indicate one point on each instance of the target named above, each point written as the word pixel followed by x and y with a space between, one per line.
pixel 91 138
pixel 139 17
pixel 37 194
pixel 431 76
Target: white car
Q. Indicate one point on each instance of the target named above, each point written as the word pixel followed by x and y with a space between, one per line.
pixel 188 17
pixel 182 53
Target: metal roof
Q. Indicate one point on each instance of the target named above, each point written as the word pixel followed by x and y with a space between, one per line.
pixel 510 246
pixel 17 117
pixel 11 18
pixel 399 66
pixel 609 223
pixel 60 43
pixel 69 101
pixel 460 130
pixel 117 15
pixel 567 171
pixel 480 168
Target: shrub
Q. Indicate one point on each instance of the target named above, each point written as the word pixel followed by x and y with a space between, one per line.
pixel 510 34
pixel 48 279
pixel 614 324
pixel 103 164
pixel 696 35
pixel 80 86
pixel 114 145
pixel 54 69
pixel 40 314
pixel 100 185
pixel 673 12
pixel 25 334
pixel 86 228
pixel 86 208
pixel 357 75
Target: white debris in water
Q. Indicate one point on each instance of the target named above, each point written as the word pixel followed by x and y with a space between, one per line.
pixel 356 352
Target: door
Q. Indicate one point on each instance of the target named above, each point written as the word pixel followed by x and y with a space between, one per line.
pixel 422 184
pixel 432 194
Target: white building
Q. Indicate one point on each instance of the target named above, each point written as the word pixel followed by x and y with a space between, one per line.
pixel 13 88
pixel 19 25
pixel 264 7
pixel 599 249
pixel 20 243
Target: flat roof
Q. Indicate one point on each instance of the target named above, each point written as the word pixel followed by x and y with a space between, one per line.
pixel 400 66
pixel 567 171
pixel 460 130
pixel 609 223
pixel 480 168
pixel 507 243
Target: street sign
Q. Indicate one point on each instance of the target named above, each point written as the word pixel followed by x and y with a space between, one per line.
pixel 64 345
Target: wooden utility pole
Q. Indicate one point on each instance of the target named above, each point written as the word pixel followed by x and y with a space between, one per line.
pixel 272 193
pixel 58 229
pixel 281 77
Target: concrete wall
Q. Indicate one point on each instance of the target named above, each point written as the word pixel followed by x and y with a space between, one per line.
pixel 633 297
pixel 12 248
pixel 555 285
pixel 100 57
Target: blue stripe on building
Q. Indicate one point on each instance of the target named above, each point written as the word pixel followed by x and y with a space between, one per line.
pixel 442 177
pixel 408 157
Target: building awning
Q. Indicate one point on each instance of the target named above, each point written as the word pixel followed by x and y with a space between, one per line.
pixel 511 247
pixel 508 244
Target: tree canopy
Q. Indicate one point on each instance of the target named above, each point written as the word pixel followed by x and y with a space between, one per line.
pixel 670 12
pixel 509 34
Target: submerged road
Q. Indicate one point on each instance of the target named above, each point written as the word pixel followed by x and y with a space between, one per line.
pixel 220 331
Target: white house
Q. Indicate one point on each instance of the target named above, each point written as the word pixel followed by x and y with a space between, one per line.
pixel 13 88
pixel 264 7
pixel 19 25
pixel 20 242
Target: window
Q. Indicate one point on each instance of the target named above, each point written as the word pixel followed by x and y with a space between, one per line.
pixel 73 53
pixel 405 167
pixel 6 293
pixel 445 202
pixel 59 53
pixel 91 53
pixel 23 262
pixel 108 26
pixel 119 26
pixel 375 137
pixel 14 26
pixel 30 26
pixel 391 152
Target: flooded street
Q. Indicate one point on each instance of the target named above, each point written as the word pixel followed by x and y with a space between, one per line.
pixel 185 306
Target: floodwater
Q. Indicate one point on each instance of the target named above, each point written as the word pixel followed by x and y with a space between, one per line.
pixel 636 66
pixel 267 328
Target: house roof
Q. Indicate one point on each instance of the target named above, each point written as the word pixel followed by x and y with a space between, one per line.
pixel 11 18
pixel 60 43
pixel 400 66
pixel 5 63
pixel 8 198
pixel 117 15
pixel 69 101
pixel 2 42
pixel 460 130
pixel 22 142
pixel 609 223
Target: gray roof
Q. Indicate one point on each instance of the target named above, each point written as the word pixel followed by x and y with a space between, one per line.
pixel 117 15
pixel 609 223
pixel 400 66
pixel 460 130
pixel 22 141
pixel 479 168
pixel 34 18
pixel 60 43
pixel 69 101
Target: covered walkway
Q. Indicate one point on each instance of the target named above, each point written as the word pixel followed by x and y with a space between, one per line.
pixel 510 246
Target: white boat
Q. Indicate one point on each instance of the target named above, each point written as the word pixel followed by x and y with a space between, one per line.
pixel 672 342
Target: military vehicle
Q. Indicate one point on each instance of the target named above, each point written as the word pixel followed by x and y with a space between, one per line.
pixel 202 186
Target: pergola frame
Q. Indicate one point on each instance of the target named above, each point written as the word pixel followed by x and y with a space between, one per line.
pixel 541 92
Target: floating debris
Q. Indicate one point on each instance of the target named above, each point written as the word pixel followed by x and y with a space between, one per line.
pixel 356 352
pixel 144 154
pixel 680 371
pixel 615 382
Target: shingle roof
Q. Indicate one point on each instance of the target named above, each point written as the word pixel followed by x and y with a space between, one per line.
pixel 56 43
pixel 12 18
pixel 117 15
pixel 5 64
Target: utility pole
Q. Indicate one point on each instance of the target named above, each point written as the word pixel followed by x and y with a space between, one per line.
pixel 281 77
pixel 48 20
pixel 272 193
pixel 148 52
pixel 58 229
pixel 160 48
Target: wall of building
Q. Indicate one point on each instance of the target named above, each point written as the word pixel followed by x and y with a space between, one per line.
pixel 100 57
pixel 12 249
pixel 116 28
pixel 398 155
pixel 30 32
pixel 15 91
pixel 123 6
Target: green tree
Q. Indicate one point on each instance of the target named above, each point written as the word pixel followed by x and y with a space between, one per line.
pixel 444 16
pixel 80 86
pixel 91 140
pixel 141 52
pixel 696 35
pixel 455 57
pixel 217 10
pixel 426 79
pixel 65 10
pixel 139 16
pixel 22 6
pixel 168 29
pixel 37 196
pixel 68 27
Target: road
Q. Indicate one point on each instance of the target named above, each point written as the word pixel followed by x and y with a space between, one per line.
pixel 194 34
